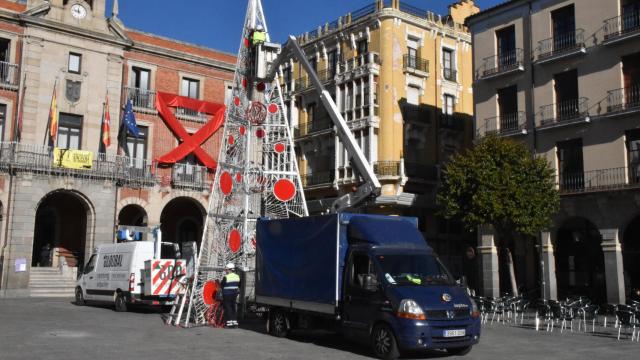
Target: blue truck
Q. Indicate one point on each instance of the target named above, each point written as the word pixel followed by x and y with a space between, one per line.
pixel 373 278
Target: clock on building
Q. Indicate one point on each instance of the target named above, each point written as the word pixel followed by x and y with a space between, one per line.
pixel 78 11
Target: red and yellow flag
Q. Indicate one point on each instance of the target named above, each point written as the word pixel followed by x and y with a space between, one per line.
pixel 53 116
pixel 106 125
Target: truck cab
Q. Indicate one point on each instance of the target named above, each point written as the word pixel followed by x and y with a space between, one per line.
pixel 396 290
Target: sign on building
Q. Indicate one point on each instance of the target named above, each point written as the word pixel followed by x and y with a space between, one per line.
pixel 72 159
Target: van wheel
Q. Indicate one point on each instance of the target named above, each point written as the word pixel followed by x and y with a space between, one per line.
pixel 121 302
pixel 461 351
pixel 384 343
pixel 80 297
pixel 278 324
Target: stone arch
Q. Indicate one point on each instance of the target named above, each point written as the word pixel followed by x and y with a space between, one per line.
pixel 64 219
pixel 182 220
pixel 579 258
pixel 133 215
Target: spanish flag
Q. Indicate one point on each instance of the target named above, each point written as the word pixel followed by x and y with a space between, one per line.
pixel 53 116
pixel 106 125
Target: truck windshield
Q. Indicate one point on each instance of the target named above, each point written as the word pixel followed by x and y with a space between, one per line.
pixel 414 270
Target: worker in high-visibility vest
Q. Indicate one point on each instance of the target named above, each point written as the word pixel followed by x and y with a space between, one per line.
pixel 258 37
pixel 230 289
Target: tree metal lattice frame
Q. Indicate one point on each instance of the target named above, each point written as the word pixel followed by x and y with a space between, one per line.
pixel 257 175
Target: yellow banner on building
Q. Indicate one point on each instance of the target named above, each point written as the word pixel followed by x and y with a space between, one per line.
pixel 72 159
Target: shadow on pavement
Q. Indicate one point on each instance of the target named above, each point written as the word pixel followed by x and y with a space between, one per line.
pixel 332 340
pixel 136 309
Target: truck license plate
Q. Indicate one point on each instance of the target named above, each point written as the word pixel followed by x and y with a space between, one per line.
pixel 455 333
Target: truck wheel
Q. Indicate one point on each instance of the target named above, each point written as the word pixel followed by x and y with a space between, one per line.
pixel 384 343
pixel 79 297
pixel 121 302
pixel 461 351
pixel 278 324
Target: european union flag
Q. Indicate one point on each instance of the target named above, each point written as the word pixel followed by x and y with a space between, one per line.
pixel 129 120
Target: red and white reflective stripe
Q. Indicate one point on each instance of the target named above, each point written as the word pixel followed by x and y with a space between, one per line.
pixel 166 276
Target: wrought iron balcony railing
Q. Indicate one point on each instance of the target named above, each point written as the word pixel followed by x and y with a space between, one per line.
pixel 370 58
pixel 410 62
pixel 450 74
pixel 314 126
pixel 362 12
pixel 141 98
pixel 623 25
pixel 600 180
pixel 568 110
pixel 387 168
pixel 624 99
pixel 39 159
pixel 9 74
pixel 504 124
pixel 319 178
pixel 191 115
pixel 190 176
pixel 561 44
pixel 503 62
pixel 124 171
pixel 415 11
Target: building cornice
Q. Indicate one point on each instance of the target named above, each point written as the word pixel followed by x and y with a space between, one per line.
pixel 177 55
pixel 389 13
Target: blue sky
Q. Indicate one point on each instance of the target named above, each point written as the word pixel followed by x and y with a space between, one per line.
pixel 217 23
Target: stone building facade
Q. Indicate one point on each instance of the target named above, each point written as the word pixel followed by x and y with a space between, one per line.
pixel 564 78
pixel 70 45
pixel 402 78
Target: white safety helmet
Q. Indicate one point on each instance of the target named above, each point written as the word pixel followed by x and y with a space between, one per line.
pixel 230 266
pixel 260 27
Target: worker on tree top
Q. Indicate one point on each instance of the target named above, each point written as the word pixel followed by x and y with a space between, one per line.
pixel 258 37
pixel 230 290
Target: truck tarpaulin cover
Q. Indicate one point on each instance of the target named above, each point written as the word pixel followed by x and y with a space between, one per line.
pixel 296 259
pixel 387 231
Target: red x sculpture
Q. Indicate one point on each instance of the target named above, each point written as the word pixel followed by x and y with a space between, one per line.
pixel 190 143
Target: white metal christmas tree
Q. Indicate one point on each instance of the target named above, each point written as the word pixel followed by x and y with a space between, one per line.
pixel 257 175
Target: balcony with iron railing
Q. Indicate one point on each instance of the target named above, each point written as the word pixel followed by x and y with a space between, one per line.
pixel 563 113
pixel 504 125
pixel 450 74
pixel 502 64
pixel 623 27
pixel 9 75
pixel 624 100
pixel 304 83
pixel 562 45
pixel 143 100
pixel 600 180
pixel 189 176
pixel 359 64
pixel 191 115
pixel 122 170
pixel 39 159
pixel 415 65
pixel 318 178
pixel 312 127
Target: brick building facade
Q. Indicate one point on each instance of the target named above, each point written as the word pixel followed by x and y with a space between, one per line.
pixel 87 57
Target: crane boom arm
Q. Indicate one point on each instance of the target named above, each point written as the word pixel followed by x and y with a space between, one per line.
pixel 371 186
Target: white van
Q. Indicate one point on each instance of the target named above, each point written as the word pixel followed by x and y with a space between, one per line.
pixel 132 273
